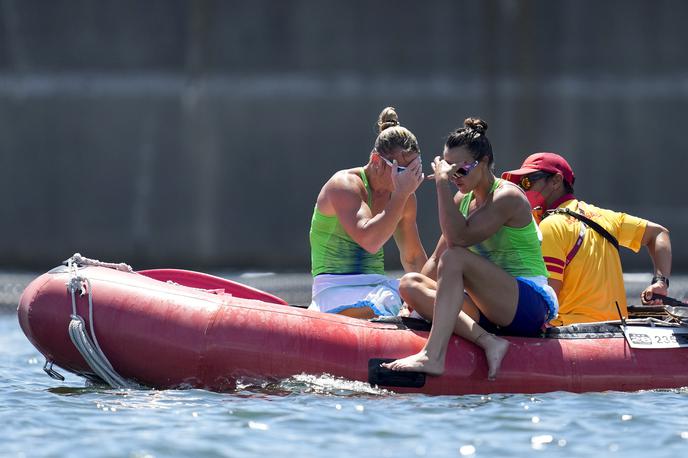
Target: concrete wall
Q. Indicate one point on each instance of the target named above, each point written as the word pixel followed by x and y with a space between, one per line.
pixel 198 133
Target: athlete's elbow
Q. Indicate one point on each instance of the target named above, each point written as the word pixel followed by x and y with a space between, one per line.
pixel 413 263
pixel 372 248
pixel 371 245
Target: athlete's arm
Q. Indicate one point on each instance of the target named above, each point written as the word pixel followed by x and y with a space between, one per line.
pixel 656 239
pixel 354 214
pixel 508 205
pixel 411 251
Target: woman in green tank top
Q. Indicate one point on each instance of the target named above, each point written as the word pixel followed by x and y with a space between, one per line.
pixel 356 212
pixel 487 269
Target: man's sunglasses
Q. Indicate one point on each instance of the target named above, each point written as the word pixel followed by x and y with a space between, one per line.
pixel 527 181
pixel 466 169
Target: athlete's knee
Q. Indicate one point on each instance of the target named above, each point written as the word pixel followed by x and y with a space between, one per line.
pixel 410 283
pixel 411 280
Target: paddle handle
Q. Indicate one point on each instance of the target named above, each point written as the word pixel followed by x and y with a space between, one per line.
pixel 668 300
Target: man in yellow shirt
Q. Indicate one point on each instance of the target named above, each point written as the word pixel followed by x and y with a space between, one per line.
pixel 582 261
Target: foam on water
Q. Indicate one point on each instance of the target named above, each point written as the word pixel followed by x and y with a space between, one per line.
pixel 327 384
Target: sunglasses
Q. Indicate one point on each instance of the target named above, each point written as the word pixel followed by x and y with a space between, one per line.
pixel 527 181
pixel 391 164
pixel 466 169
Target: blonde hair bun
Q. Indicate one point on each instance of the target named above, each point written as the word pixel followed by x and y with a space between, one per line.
pixel 388 118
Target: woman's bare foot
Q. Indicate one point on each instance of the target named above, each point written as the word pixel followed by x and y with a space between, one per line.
pixel 495 350
pixel 420 362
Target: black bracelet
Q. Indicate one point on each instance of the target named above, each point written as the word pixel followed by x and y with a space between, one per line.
pixel 657 278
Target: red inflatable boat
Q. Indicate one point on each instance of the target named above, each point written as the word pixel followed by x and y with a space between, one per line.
pixel 172 328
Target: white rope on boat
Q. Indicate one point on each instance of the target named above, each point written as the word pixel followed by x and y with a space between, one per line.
pixel 88 346
pixel 77 259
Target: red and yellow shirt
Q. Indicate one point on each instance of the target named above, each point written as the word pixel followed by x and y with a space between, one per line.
pixel 593 280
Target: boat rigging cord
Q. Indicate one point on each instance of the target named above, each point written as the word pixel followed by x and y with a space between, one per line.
pixel 77 259
pixel 88 346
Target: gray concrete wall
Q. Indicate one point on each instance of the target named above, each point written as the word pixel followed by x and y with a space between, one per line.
pixel 198 133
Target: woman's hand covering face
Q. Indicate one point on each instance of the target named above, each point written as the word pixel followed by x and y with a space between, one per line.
pixel 407 182
pixel 443 170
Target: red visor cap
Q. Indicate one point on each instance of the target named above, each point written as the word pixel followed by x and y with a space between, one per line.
pixel 542 162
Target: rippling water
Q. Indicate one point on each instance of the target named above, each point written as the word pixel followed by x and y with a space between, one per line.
pixel 318 416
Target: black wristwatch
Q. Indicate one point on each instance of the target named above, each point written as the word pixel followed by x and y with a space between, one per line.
pixel 657 278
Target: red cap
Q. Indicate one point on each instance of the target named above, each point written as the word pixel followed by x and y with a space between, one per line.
pixel 544 162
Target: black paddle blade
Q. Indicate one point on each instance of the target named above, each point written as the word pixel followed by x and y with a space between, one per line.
pixel 378 375
pixel 668 300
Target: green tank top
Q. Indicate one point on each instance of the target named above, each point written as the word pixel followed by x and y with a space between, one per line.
pixel 333 251
pixel 514 249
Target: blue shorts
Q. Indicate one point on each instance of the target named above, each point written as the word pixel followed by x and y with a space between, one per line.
pixel 532 312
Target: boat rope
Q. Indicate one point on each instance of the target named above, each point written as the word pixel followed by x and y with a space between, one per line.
pixel 88 346
pixel 77 259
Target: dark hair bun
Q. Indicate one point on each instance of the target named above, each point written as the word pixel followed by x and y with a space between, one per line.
pixel 388 118
pixel 475 124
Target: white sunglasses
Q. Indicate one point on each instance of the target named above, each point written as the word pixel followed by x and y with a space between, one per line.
pixel 391 164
